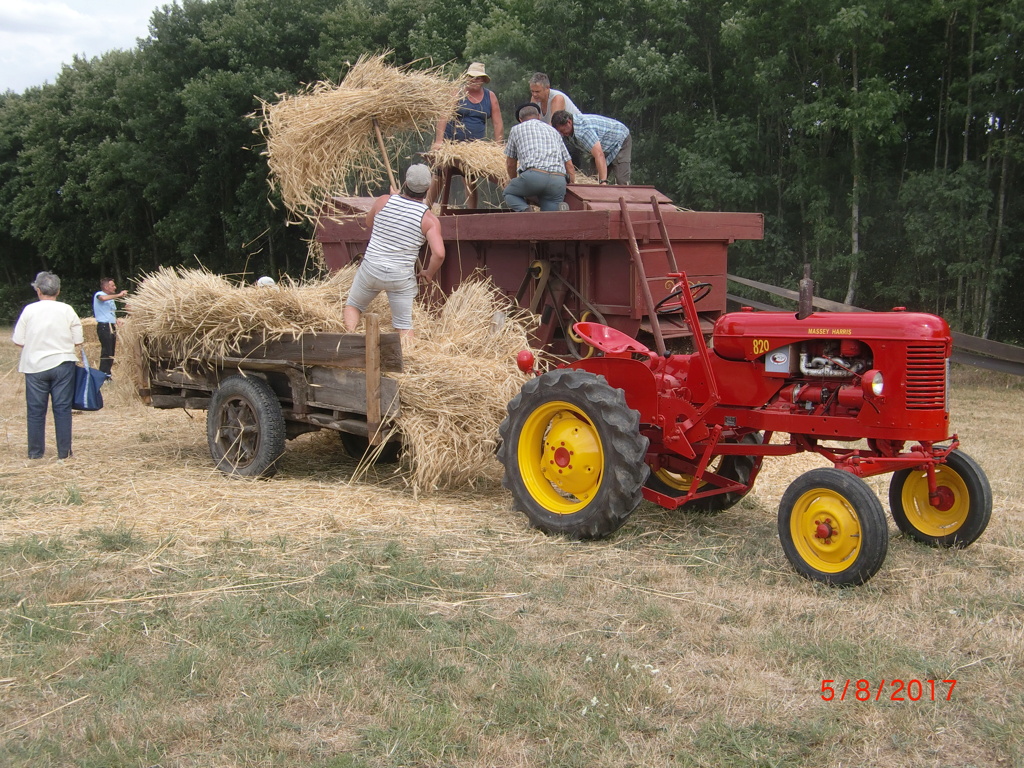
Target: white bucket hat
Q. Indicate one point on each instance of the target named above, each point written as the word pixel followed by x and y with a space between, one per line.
pixel 476 69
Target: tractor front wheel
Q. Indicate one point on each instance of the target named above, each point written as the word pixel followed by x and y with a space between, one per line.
pixel 833 527
pixel 245 427
pixel 957 516
pixel 573 454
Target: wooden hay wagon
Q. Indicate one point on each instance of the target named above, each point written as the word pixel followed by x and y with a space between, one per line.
pixel 273 390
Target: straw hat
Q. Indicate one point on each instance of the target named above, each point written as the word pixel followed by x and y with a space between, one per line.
pixel 476 69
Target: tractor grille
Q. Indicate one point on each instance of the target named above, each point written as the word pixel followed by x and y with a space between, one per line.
pixel 926 377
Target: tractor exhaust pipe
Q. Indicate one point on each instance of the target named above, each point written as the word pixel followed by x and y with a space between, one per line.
pixel 806 306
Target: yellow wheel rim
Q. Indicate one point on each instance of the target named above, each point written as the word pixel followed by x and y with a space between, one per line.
pixel 826 530
pixel 677 482
pixel 680 481
pixel 953 506
pixel 560 457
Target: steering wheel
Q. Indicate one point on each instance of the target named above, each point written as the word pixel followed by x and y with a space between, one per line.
pixel 673 305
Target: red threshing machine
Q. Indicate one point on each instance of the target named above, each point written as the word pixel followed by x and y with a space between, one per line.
pixel 584 443
pixel 597 262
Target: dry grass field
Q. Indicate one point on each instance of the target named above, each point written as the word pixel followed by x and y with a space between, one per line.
pixel 156 613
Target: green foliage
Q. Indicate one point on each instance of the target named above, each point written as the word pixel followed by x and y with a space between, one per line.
pixel 906 113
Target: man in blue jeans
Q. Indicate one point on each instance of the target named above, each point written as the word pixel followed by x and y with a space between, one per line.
pixel 538 163
pixel 48 333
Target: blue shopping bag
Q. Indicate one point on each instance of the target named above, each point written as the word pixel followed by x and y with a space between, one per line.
pixel 87 387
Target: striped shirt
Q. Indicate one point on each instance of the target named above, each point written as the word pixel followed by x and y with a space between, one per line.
pixel 535 144
pixel 397 235
pixel 587 130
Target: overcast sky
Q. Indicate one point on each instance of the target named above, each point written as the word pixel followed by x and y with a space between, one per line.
pixel 38 36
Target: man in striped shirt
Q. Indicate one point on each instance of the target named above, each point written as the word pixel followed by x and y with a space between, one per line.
pixel 399 225
pixel 607 140
pixel 538 163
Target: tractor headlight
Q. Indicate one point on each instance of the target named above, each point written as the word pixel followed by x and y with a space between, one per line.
pixel 873 383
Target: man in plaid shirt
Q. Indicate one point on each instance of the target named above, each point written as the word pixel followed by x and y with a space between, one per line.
pixel 607 140
pixel 538 163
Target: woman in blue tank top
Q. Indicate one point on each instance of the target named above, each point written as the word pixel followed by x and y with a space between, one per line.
pixel 476 106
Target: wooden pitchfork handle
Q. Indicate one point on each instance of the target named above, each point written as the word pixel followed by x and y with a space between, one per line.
pixel 384 153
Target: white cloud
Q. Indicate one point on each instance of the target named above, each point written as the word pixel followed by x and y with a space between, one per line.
pixel 37 38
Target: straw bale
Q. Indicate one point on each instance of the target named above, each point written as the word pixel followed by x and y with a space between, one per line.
pixel 321 143
pixel 476 160
pixel 460 374
pixel 459 369
pixel 89 330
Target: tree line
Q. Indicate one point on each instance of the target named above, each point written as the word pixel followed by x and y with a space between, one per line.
pixel 881 139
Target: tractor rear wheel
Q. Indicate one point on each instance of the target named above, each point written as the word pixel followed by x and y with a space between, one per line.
pixel 573 454
pixel 833 527
pixel 963 507
pixel 738 468
pixel 245 427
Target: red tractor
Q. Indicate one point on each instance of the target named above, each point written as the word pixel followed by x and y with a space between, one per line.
pixel 583 444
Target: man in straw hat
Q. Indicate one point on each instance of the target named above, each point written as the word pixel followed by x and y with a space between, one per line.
pixel 538 163
pixel 476 106
pixel 48 333
pixel 399 225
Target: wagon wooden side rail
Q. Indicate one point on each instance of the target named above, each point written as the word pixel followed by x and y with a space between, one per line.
pixel 274 389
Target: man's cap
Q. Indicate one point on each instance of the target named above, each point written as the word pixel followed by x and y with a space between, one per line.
pixel 266 282
pixel 476 69
pixel 417 178
pixel 524 106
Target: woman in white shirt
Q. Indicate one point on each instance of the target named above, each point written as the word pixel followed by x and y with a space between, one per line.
pixel 48 333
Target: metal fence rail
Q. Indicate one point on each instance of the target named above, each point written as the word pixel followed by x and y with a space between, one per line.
pixel 968 350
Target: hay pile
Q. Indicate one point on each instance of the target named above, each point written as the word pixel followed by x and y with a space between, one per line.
pixel 460 374
pixel 476 160
pixel 322 143
pixel 460 369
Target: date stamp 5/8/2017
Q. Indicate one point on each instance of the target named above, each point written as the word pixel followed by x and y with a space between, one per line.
pixel 887 690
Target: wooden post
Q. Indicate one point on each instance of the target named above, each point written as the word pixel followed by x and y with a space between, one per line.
pixel 384 153
pixel 373 416
pixel 806 305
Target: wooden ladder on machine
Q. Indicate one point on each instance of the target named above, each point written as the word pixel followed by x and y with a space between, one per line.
pixel 636 254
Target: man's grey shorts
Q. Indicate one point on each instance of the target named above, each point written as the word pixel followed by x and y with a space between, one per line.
pixel 400 290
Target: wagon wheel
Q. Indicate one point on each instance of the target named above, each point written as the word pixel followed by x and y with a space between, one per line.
pixel 673 303
pixel 245 427
pixel 358 447
pixel 737 468
pixel 573 454
pixel 963 508
pixel 833 528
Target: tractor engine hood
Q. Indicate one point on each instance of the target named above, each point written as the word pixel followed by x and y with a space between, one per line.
pixel 749 335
